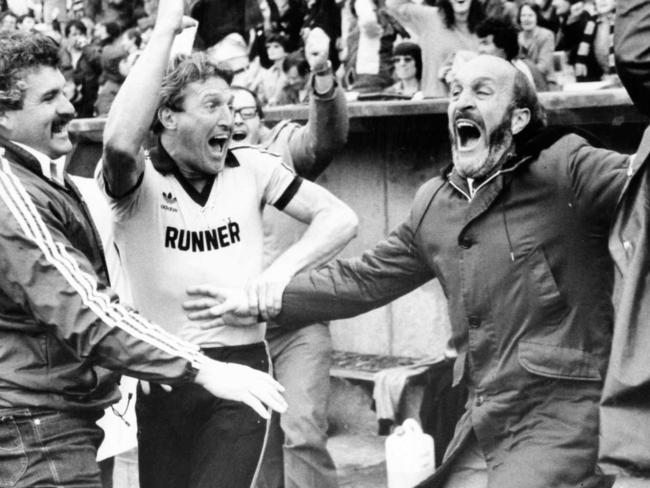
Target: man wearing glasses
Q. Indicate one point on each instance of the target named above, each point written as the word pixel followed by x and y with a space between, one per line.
pixel 301 358
pixel 192 208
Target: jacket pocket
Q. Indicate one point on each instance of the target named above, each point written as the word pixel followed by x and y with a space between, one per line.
pixel 13 459
pixel 558 362
pixel 545 294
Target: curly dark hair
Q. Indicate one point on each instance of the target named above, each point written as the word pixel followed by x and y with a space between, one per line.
pixel 20 52
pixel 183 70
pixel 474 17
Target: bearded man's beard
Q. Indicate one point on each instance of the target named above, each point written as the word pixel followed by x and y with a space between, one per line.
pixel 500 140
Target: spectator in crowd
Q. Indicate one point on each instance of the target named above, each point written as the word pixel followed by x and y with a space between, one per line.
pixel 131 40
pixel 576 38
pixel 441 32
pixel 231 54
pixel 536 44
pixel 528 280
pixel 219 18
pixel 291 14
pixel 285 16
pixel 272 78
pixel 501 9
pixel 208 191
pixel 301 359
pixel 115 68
pixel 325 14
pixel 81 66
pixel 64 336
pixel 257 41
pixel 407 60
pixel 26 23
pixel 548 16
pixel 296 80
pixel 498 37
pixel 603 40
pixel 368 67
pixel 106 34
pixel 8 21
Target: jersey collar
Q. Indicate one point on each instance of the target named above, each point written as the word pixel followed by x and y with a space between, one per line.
pixel 164 163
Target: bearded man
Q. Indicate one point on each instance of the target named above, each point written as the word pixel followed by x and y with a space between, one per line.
pixel 516 231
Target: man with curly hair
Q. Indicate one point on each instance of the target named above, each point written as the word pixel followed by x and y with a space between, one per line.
pixel 61 328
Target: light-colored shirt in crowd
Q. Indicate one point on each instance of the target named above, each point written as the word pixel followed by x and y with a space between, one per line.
pixel 438 43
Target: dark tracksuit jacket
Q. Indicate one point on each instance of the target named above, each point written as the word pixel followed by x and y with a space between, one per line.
pixel 61 328
pixel 526 270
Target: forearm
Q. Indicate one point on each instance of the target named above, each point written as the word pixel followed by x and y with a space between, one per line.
pixel 329 231
pixel 313 146
pixel 124 353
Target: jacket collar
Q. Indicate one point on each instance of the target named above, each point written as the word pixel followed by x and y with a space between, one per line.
pixel 22 157
pixel 488 188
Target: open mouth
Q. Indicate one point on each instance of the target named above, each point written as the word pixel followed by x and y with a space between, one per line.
pixel 238 136
pixel 218 143
pixel 468 134
pixel 59 127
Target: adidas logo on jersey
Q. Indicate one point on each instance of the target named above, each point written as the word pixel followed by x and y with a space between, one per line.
pixel 169 198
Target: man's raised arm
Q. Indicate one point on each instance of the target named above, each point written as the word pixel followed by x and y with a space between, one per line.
pixel 312 146
pixel 135 104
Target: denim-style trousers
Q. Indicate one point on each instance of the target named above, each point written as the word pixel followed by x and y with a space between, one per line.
pixel 49 449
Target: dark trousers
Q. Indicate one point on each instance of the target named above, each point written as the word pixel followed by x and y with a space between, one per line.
pixel 47 449
pixel 190 439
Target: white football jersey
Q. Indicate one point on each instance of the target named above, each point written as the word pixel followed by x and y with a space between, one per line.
pixel 169 237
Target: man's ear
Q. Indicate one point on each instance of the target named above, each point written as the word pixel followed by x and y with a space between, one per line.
pixel 167 118
pixel 519 120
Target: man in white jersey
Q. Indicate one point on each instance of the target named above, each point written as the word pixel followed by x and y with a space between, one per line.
pixel 188 211
pixel 296 453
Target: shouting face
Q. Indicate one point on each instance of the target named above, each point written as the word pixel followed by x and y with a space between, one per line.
pixel 481 118
pixel 199 132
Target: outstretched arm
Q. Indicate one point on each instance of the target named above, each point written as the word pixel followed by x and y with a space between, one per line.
pixel 343 288
pixel 632 50
pixel 134 107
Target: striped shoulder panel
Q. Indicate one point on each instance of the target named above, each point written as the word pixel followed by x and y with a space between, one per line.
pixel 256 148
pixel 23 209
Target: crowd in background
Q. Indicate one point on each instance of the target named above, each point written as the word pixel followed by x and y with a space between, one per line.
pixel 379 49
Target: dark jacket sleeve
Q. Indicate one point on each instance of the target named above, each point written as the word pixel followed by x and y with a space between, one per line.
pixel 313 146
pixel 346 288
pixel 45 282
pixel 632 50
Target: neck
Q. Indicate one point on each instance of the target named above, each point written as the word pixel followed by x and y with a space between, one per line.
pixel 410 84
pixel 265 133
pixel 461 20
pixel 529 33
pixel 197 180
